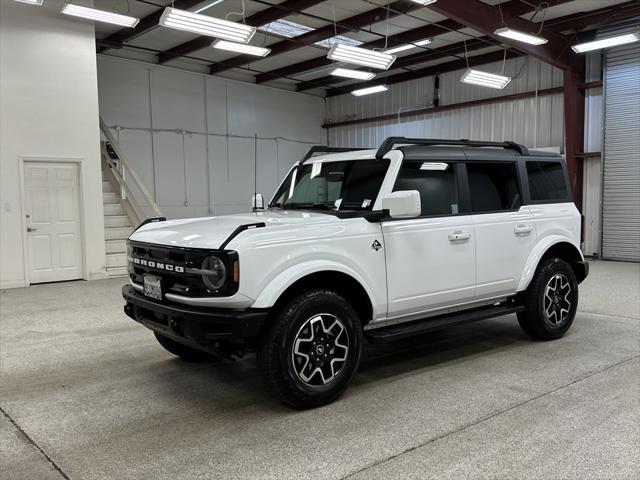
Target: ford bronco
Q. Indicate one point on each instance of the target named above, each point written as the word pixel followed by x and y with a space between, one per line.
pixel 364 245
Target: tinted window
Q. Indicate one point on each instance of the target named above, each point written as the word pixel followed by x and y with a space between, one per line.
pixel 493 186
pixel 436 182
pixel 546 181
pixel 346 185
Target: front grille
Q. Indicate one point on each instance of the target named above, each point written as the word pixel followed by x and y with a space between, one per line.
pixel 176 264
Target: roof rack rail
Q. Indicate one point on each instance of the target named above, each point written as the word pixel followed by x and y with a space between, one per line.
pixel 316 149
pixel 391 142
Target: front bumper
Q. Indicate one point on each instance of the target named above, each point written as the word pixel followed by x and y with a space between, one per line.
pixel 198 327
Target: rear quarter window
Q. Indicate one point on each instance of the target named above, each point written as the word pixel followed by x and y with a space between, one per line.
pixel 546 181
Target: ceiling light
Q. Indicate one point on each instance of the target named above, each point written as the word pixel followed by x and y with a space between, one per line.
pixel 347 73
pixel 606 42
pixel 241 48
pixel 409 46
pixel 207 6
pixel 369 90
pixel 424 2
pixel 99 15
pixel 206 25
pixel 30 2
pixel 360 56
pixel 485 79
pixel 520 36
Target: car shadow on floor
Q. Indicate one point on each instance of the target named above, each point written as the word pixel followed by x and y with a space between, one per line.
pixel 237 383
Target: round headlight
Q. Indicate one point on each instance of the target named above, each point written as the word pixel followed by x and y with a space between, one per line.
pixel 214 273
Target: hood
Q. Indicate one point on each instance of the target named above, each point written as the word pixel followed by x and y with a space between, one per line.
pixel 211 232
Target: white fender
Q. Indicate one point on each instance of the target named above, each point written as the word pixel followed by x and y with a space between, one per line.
pixel 269 296
pixel 537 253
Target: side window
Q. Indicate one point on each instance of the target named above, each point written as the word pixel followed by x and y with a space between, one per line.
pixel 546 181
pixel 493 186
pixel 436 182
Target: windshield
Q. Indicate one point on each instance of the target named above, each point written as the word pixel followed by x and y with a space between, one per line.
pixel 344 185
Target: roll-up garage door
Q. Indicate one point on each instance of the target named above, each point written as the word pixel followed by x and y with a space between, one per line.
pixel 621 179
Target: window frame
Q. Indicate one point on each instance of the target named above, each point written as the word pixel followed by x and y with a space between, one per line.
pixel 519 183
pixel 464 205
pixel 525 180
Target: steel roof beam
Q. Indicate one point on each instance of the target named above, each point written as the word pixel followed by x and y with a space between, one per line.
pixel 512 8
pixel 486 19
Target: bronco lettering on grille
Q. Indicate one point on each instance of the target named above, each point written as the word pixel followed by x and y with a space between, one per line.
pixel 157 265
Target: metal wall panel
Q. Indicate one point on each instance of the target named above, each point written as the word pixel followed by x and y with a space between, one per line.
pixel 621 177
pixel 536 122
pixel 191 136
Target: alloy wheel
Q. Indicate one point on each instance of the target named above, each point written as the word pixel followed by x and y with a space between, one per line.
pixel 557 304
pixel 320 349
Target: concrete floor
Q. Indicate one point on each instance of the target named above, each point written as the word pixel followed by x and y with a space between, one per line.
pixel 87 393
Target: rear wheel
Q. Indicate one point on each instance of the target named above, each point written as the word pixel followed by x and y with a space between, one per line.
pixel 550 301
pixel 311 350
pixel 187 354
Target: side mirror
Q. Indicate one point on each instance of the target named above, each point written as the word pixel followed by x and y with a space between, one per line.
pixel 403 204
pixel 257 202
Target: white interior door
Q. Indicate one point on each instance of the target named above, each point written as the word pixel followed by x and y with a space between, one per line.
pixel 53 221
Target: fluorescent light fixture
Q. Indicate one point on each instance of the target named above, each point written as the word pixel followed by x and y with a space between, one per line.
pixel 520 36
pixel 347 73
pixel 206 25
pixel 207 6
pixel 369 90
pixel 408 46
pixel 30 2
pixel 99 15
pixel 485 79
pixel 606 42
pixel 241 48
pixel 424 2
pixel 361 56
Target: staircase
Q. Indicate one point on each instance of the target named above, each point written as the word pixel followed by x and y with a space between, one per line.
pixel 117 228
pixel 126 202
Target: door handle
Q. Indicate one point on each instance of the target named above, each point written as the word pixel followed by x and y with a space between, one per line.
pixel 29 227
pixel 459 235
pixel 523 229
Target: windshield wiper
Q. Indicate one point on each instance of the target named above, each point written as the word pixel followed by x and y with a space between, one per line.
pixel 274 205
pixel 312 206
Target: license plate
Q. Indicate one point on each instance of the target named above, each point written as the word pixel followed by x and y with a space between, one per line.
pixel 152 287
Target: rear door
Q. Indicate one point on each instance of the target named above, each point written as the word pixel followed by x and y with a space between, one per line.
pixel 505 231
pixel 431 258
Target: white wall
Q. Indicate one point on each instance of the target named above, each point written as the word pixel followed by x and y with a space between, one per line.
pixel 48 108
pixel 533 122
pixel 200 157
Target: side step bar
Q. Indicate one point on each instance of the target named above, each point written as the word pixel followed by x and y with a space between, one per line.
pixel 395 332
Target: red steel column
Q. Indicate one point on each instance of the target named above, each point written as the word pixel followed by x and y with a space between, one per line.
pixel 574 129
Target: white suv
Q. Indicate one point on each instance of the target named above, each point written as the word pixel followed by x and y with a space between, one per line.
pixel 364 245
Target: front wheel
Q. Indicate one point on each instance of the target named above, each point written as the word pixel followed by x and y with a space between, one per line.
pixel 551 300
pixel 311 350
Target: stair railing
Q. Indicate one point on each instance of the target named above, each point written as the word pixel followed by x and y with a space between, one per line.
pixel 123 173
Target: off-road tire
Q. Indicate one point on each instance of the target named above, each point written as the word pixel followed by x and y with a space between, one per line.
pixel 186 353
pixel 278 358
pixel 534 320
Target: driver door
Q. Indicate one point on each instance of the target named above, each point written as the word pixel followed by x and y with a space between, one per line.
pixel 431 259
